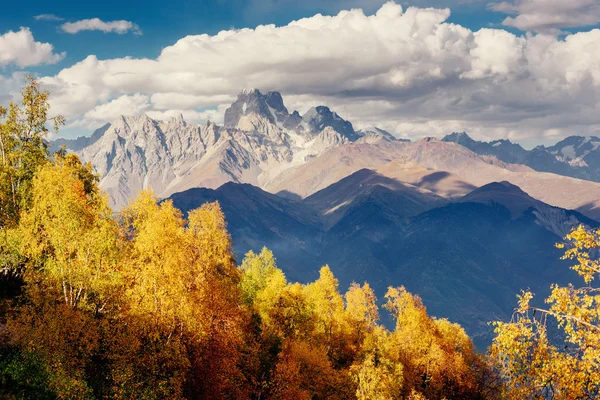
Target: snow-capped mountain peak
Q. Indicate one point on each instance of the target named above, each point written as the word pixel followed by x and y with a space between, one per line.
pixel 260 139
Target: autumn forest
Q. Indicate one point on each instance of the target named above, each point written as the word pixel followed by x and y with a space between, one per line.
pixel 147 304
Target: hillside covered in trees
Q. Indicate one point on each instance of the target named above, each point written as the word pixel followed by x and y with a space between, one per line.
pixel 145 304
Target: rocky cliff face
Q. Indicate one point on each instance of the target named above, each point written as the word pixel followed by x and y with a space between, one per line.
pixel 259 139
pixel 264 144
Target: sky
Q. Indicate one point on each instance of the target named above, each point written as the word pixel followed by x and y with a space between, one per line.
pixel 526 70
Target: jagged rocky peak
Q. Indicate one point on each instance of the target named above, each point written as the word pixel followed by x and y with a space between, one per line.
pixel 178 120
pixel 375 135
pixel 458 137
pixel 79 143
pixel 267 106
pixel 464 139
pixel 574 147
pixel 318 118
pixel 275 101
pixel 254 110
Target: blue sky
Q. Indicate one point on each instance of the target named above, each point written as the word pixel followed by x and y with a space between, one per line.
pixel 408 95
pixel 164 22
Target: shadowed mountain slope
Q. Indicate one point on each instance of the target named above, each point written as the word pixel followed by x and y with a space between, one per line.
pixel 465 165
pixel 467 259
pixel 256 218
pixel 333 202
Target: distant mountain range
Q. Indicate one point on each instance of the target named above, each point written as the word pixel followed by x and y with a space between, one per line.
pixel 259 139
pixel 464 224
pixel 575 156
pixel 294 155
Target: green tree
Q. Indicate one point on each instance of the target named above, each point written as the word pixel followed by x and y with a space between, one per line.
pixel 262 282
pixel 22 148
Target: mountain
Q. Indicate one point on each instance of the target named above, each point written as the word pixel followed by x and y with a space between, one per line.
pixel 578 151
pixel 77 144
pixel 264 144
pixel 555 219
pixel 336 201
pixel 504 150
pixel 504 193
pixel 256 218
pixel 318 118
pixel 442 183
pixel 465 165
pixel 269 106
pixel 376 135
pixel 575 156
pixel 466 257
pixel 260 139
pixel 345 160
pixel 135 153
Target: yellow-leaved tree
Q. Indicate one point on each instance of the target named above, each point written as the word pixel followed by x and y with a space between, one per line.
pixel 534 365
pixel 146 303
pixel 69 243
pixel 438 359
pixel 23 129
pixel 185 329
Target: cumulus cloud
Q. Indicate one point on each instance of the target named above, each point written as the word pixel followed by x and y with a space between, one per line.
pixel 95 24
pixel 21 49
pixel 48 17
pixel 183 101
pixel 123 105
pixel 549 16
pixel 192 116
pixel 10 87
pixel 408 71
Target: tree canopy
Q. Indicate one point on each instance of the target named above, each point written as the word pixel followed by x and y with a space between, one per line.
pixel 146 303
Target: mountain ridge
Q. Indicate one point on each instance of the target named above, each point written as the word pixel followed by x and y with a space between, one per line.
pixel 466 259
pixel 266 145
pixel 259 138
pixel 574 156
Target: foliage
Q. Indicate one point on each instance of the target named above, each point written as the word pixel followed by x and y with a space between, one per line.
pixel 148 304
pixel 22 148
pixel 531 363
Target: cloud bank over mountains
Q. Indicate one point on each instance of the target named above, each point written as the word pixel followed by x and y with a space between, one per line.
pixel 406 70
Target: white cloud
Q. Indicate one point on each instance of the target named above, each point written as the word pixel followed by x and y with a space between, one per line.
pixel 549 16
pixel 48 17
pixel 137 104
pixel 21 49
pixel 123 105
pixel 96 24
pixel 179 101
pixel 408 71
pixel 10 87
pixel 191 116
